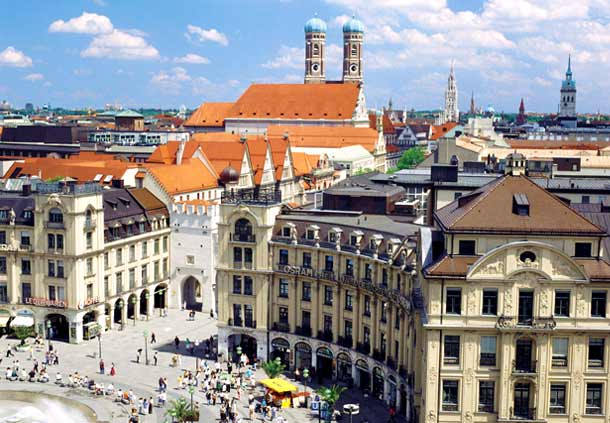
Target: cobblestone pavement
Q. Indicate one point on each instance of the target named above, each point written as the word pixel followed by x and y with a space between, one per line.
pixel 120 348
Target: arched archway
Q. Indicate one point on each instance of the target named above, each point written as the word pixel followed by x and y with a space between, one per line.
pixel 246 343
pixel 324 363
pixel 243 231
pixel 302 356
pixel 344 367
pixel 89 320
pixel 131 306
pixel 281 348
pixel 57 327
pixel 363 375
pixel 192 293
pixel 118 311
pixel 378 382
pixel 144 297
pixel 160 300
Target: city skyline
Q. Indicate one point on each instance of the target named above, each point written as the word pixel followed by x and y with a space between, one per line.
pixel 95 52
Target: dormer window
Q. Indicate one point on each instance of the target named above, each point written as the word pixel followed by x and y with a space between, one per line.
pixel 286 231
pixel 521 205
pixel 353 240
pixel 311 234
pixel 332 237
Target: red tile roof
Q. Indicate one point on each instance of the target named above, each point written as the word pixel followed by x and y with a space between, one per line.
pixel 325 136
pixel 440 130
pixel 191 175
pixel 209 115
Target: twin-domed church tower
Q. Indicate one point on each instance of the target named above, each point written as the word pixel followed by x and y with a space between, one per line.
pixel 315 49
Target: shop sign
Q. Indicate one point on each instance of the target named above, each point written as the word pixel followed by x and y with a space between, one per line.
pixel 89 302
pixel 43 302
pixel 297 270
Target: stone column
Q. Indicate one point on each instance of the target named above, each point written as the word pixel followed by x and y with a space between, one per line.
pixel 78 326
pixel 111 323
pixel 386 390
pixel 150 305
pixel 136 308
pixel 124 312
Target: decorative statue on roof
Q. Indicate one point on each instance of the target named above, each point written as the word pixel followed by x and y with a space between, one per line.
pixel 12 216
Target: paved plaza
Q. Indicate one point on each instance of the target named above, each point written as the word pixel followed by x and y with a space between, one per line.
pixel 120 348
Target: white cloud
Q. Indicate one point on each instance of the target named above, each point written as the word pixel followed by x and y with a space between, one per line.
pixel 192 59
pixel 202 35
pixel 87 23
pixel 171 81
pixel 120 45
pixel 34 77
pixel 543 82
pixel 13 57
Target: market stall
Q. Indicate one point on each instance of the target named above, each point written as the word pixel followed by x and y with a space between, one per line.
pixel 283 393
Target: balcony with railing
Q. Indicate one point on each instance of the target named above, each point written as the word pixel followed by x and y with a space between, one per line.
pixel 325 335
pixel 523 414
pixel 524 367
pixel 281 326
pixel 303 330
pixel 252 196
pixel 346 341
pixel 363 348
pixel 240 237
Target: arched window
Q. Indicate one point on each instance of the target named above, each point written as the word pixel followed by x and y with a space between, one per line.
pixel 88 217
pixel 316 49
pixel 243 231
pixel 56 216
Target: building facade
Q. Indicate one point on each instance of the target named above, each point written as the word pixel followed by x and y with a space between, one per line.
pixel 515 321
pixel 77 256
pixel 327 292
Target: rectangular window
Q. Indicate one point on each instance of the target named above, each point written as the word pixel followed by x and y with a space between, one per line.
pixel 283 257
pixel 89 265
pixel 60 269
pixel 348 329
pixel 311 234
pixel 451 349
pixel 248 286
pixel 557 399
pixel 119 256
pixel 306 319
pixel 286 230
pixel 486 396
pixel 89 290
pixel 349 301
pixel 488 350
pixel 132 278
pixel 165 242
pixel 249 316
pixel 594 398
pixel 52 295
pixel 596 352
pixel 26 268
pixel 156 270
pixel 307 260
pixel 454 301
pixel 328 263
pixel 51 241
pixel 25 238
pixel 132 253
pixel 51 268
pixel 248 257
pixel 450 395
pixel 144 249
pixel 384 277
pixel 349 267
pixel 366 338
pixel 237 256
pixel 582 249
pixel 236 284
pixel 328 295
pixel 384 312
pixel 306 291
pixel 106 261
pixel 2 237
pixel 466 247
pixel 328 323
pixel 560 352
pixel 119 282
pixel 332 236
pixel 145 273
pixel 2 265
pixel 526 307
pixel 156 246
pixel 490 302
pixel 284 315
pixel 236 314
pixel 562 303
pixel 367 305
pixel 59 241
pixel 283 288
pixel 598 303
pixel 26 290
pixel 368 271
pixel 89 238
pixel 106 287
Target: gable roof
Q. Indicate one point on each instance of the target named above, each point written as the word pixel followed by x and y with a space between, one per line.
pixel 388 125
pixel 191 175
pixel 490 209
pixel 166 153
pixel 209 115
pixel 325 136
pixel 304 163
pixel 440 130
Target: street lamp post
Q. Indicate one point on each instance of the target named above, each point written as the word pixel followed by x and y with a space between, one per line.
pixel 238 351
pixel 196 357
pixel 49 333
pixel 147 296
pixel 99 342
pixel 133 302
pixel 120 306
pixel 146 345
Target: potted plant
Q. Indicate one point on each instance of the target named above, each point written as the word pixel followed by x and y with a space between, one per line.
pixel 331 396
pixel 180 411
pixel 273 368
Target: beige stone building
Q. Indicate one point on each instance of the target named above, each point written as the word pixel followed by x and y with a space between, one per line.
pixel 76 255
pixel 515 325
pixel 326 291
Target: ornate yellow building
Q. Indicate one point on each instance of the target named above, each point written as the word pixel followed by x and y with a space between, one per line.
pixel 515 326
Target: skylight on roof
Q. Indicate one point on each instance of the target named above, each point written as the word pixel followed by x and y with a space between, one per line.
pixel 98 177
pixel 108 178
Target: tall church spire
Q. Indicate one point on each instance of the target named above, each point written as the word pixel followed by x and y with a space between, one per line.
pixel 567 103
pixel 451 112
pixel 472 110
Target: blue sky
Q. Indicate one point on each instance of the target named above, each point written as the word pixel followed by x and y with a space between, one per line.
pixel 147 53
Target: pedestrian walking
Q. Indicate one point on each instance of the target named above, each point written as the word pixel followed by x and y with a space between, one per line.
pixel 177 342
pixel 139 354
pixel 153 338
pixel 112 370
pixel 102 367
pixel 155 358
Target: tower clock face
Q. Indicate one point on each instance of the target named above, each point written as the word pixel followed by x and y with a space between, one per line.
pixel 353 68
pixel 315 67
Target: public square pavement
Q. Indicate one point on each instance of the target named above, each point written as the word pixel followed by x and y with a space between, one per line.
pixel 120 347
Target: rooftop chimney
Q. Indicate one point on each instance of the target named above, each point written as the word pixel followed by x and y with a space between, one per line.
pixel 180 153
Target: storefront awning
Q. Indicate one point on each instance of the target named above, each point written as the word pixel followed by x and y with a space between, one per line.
pixel 26 321
pixel 278 385
pixel 4 320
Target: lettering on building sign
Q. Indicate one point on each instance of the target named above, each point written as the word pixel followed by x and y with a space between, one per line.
pixel 296 270
pixel 88 302
pixel 43 302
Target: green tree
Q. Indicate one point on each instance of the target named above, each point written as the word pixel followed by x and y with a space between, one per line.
pixel 411 158
pixel 363 171
pixel 180 410
pixel 273 368
pixel 331 395
pixel 23 332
